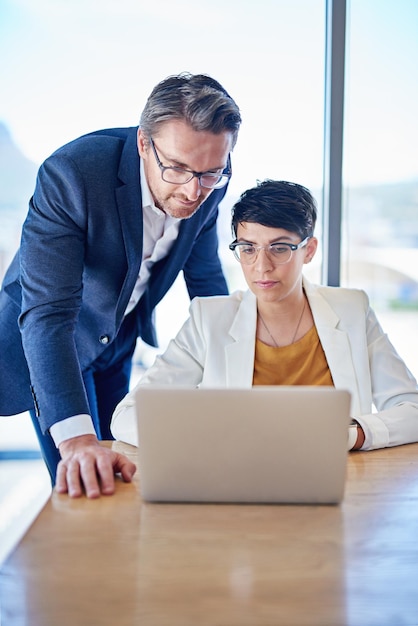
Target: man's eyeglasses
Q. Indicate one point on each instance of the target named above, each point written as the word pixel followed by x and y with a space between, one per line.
pixel 181 176
pixel 279 252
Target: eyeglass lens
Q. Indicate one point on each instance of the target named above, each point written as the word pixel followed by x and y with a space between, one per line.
pixel 179 176
pixel 248 253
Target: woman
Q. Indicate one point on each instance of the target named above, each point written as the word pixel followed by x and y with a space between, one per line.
pixel 287 331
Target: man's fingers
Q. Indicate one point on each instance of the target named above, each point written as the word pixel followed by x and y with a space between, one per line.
pixel 91 469
pixel 61 478
pixel 74 479
pixel 106 474
pixel 126 468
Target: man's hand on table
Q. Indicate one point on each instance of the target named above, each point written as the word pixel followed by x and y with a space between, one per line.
pixel 87 467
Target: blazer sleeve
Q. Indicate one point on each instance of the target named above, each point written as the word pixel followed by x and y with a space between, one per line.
pixel 363 360
pixel 52 252
pixel 73 268
pixel 394 391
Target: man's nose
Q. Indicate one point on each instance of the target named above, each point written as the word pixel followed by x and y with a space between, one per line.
pixel 193 188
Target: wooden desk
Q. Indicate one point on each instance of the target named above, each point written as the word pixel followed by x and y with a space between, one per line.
pixel 117 561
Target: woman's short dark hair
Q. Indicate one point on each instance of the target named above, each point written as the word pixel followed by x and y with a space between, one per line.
pixel 277 204
pixel 197 99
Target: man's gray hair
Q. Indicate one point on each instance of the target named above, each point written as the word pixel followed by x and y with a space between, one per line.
pixel 197 99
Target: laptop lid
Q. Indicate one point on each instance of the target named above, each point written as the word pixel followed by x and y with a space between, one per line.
pixel 259 445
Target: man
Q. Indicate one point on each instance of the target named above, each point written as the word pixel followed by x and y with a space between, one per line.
pixel 114 218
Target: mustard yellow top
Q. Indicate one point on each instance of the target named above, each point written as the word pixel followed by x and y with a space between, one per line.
pixel 301 363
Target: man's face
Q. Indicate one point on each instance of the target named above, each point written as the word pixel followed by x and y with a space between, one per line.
pixel 178 145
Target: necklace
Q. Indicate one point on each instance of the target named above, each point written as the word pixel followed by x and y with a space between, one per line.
pixel 276 345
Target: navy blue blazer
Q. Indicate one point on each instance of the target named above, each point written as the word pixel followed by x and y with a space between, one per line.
pixel 64 296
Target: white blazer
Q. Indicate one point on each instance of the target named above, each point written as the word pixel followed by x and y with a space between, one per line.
pixel 215 348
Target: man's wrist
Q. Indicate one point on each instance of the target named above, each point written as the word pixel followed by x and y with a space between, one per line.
pixel 77 443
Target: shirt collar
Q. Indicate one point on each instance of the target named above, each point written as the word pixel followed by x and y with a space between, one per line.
pixel 147 200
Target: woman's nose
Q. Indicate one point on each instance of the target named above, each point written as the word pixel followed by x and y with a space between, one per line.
pixel 263 260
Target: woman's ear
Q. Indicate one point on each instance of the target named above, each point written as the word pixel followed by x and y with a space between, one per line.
pixel 310 249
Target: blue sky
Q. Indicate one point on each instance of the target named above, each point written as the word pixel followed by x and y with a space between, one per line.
pixel 71 67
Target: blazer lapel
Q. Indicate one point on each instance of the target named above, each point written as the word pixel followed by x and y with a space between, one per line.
pixel 129 203
pixel 335 343
pixel 240 352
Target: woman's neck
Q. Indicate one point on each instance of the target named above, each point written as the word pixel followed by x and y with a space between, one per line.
pixel 282 323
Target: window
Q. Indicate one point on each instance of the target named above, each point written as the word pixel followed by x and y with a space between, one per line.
pixel 380 204
pixel 269 55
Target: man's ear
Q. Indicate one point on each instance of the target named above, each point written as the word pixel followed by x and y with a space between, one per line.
pixel 310 249
pixel 142 143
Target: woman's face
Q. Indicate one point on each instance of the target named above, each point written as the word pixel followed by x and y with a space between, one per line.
pixel 268 280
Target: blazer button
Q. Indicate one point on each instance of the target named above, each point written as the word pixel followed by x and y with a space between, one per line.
pixel 104 339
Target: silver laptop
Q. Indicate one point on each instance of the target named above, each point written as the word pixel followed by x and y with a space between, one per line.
pixel 259 445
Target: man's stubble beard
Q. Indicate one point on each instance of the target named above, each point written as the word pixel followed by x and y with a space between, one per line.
pixel 165 208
